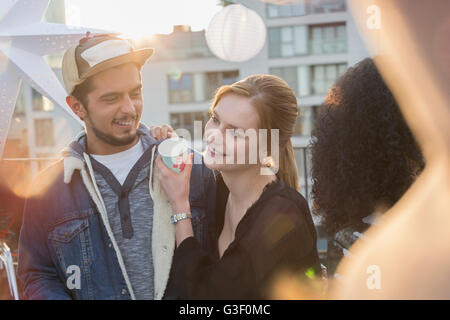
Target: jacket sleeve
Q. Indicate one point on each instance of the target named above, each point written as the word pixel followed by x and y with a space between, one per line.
pixel 36 269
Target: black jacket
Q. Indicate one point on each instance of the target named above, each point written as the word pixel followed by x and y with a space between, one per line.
pixel 276 234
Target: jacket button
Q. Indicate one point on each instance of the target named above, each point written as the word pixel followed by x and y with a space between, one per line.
pixel 124 291
pixel 110 245
pixel 164 248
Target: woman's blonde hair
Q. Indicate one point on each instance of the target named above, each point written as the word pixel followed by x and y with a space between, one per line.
pixel 277 108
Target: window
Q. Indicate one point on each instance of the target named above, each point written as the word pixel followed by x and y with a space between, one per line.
pixel 289 74
pixel 20 103
pixel 308 80
pixel 185 120
pixel 326 6
pixel 214 80
pixel 303 7
pixel 329 38
pixel 41 103
pixel 230 77
pixel 199 86
pixel 286 10
pixel 288 41
pixel 303 161
pixel 181 88
pixel 324 76
pixel 44 132
pixel 305 120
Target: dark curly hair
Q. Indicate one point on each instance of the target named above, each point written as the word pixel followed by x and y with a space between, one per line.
pixel 363 153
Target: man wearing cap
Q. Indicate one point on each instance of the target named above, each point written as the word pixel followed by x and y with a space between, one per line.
pixel 99 225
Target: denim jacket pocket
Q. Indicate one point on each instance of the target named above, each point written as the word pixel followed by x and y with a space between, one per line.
pixel 66 231
pixel 71 244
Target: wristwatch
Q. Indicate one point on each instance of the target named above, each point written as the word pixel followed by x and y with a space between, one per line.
pixel 180 216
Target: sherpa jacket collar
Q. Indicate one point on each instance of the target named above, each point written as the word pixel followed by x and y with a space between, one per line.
pixel 74 153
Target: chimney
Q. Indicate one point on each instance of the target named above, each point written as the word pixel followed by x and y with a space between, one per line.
pixel 181 28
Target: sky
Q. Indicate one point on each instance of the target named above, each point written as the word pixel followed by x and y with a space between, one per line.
pixel 138 18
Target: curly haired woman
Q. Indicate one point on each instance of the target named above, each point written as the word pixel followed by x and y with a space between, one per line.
pixel 364 157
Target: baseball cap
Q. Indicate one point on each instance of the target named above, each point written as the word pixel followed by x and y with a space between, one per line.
pixel 97 53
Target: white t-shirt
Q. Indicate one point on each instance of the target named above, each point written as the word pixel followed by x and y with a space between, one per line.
pixel 121 163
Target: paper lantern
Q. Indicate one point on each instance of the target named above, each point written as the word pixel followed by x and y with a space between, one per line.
pixel 236 33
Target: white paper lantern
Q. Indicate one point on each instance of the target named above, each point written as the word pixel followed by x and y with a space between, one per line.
pixel 236 33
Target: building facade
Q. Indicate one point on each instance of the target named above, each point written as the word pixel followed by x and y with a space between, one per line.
pixel 309 44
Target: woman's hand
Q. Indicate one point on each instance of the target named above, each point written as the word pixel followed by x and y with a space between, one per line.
pixel 176 188
pixel 175 185
pixel 162 132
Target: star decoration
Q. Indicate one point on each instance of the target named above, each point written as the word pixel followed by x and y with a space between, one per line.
pixel 24 40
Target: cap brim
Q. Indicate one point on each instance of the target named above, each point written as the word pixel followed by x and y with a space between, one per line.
pixel 138 56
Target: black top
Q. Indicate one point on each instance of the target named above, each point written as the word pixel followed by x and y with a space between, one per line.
pixel 276 234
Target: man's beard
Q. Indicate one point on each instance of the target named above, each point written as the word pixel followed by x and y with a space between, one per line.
pixel 109 139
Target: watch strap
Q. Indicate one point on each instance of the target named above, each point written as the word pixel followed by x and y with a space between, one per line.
pixel 180 216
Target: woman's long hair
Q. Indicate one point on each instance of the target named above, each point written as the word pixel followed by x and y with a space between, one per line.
pixel 277 108
pixel 364 156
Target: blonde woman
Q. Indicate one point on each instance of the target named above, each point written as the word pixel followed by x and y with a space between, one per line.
pixel 263 226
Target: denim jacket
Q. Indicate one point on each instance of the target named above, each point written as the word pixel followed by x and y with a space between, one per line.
pixel 66 247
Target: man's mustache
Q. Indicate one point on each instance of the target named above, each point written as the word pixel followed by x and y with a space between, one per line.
pixel 127 118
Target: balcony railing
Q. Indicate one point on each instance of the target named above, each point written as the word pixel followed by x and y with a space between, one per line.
pixel 304 8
